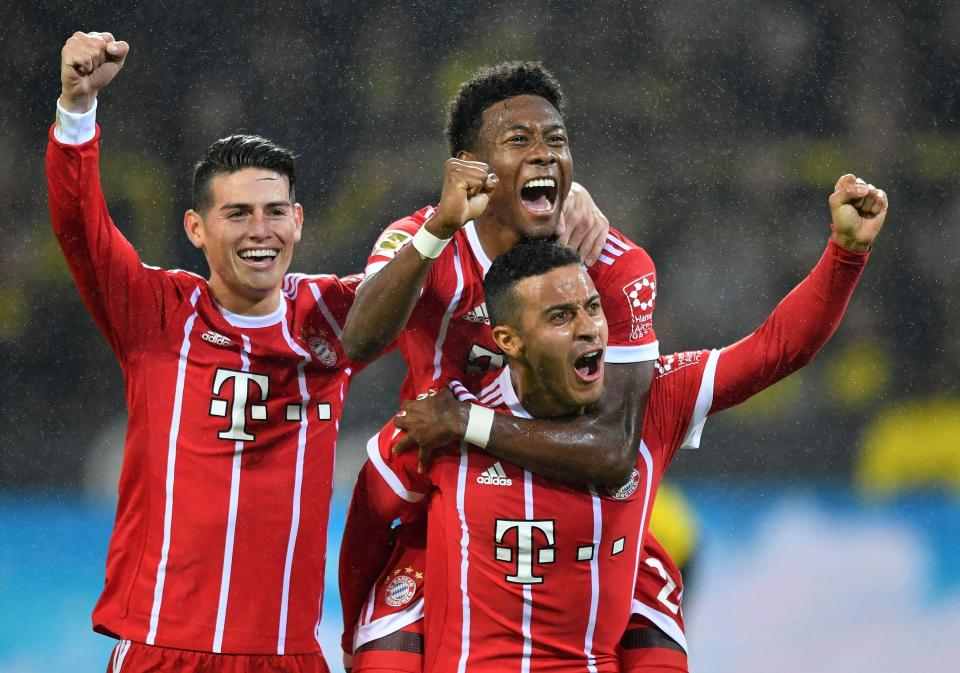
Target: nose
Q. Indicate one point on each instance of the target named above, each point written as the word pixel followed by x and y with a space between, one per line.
pixel 541 154
pixel 589 327
pixel 258 225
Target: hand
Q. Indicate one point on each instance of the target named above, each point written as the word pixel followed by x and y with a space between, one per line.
pixel 858 211
pixel 467 186
pixel 582 226
pixel 88 62
pixel 431 422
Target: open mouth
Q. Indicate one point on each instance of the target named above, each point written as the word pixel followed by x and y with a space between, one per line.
pixel 539 195
pixel 259 256
pixel 589 367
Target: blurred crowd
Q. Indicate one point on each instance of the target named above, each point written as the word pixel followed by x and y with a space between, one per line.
pixel 709 132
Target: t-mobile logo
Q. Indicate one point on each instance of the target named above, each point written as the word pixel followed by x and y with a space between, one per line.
pixel 523 551
pixel 238 405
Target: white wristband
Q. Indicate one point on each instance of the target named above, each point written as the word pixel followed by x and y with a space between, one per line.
pixel 428 245
pixel 73 128
pixel 479 425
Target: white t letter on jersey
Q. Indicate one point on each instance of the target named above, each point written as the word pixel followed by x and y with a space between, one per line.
pixel 238 406
pixel 524 548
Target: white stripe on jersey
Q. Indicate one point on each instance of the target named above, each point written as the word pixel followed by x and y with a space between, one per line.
pixel 461 393
pixel 231 520
pixel 594 581
pixel 490 388
pixel 464 559
pixel 388 475
pixel 445 323
pixel 691 440
pixel 606 259
pixel 470 228
pixel 171 463
pixel 613 240
pixel 663 622
pixel 648 462
pixel 527 588
pixel 630 354
pixel 610 250
pixel 334 325
pixel 387 624
pixel 298 474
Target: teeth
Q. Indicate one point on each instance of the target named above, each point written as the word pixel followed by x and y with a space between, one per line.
pixel 541 182
pixel 246 254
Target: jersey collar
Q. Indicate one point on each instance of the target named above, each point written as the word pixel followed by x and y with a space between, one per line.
pixel 471 230
pixel 510 395
pixel 254 321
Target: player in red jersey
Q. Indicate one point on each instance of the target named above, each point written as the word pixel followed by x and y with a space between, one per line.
pixel 525 572
pixel 234 390
pixel 505 120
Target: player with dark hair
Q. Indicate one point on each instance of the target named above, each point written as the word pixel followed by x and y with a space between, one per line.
pixel 234 387
pixel 507 182
pixel 529 574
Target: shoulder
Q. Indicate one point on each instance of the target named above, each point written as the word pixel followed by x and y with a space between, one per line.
pixel 621 257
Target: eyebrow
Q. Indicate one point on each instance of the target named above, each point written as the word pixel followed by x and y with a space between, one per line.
pixel 524 127
pixel 248 206
pixel 572 304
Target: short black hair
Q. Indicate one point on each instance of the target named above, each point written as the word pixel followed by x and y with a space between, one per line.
pixel 235 152
pixel 524 260
pixel 491 85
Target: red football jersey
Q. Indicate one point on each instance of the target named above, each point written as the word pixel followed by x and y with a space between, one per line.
pixel 221 529
pixel 526 570
pixel 448 335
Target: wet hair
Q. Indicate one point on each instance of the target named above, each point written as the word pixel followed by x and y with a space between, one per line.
pixel 524 260
pixel 230 154
pixel 489 86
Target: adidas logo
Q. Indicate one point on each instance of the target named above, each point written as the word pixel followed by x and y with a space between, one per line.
pixel 478 314
pixel 494 476
pixel 215 338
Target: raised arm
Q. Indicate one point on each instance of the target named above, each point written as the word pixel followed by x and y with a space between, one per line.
pixel 386 299
pixel 809 315
pixel 104 265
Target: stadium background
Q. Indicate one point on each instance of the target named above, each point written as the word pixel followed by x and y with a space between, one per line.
pixel 710 132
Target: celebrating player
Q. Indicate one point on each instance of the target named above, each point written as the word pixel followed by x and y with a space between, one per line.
pixel 234 388
pixel 424 286
pixel 526 572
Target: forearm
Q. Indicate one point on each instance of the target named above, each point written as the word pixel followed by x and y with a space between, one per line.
pixel 793 334
pixel 383 305
pixel 577 450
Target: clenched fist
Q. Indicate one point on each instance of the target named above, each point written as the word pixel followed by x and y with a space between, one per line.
pixel 466 191
pixel 858 211
pixel 88 62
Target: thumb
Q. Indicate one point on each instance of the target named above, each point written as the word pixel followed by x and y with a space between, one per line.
pixel 117 51
pixel 490 183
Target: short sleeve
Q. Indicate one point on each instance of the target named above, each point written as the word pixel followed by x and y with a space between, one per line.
pixel 394 238
pixel 627 284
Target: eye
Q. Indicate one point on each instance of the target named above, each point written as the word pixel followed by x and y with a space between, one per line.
pixel 557 139
pixel 516 139
pixel 236 214
pixel 594 307
pixel 559 317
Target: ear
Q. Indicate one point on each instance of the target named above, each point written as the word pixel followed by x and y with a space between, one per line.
pixel 464 155
pixel 509 341
pixel 193 225
pixel 298 222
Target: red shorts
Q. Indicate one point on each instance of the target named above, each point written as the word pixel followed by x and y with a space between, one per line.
pixel 646 649
pixel 130 657
pixel 400 652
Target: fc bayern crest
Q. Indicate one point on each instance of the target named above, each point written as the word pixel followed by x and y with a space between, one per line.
pixel 400 591
pixel 628 488
pixel 324 352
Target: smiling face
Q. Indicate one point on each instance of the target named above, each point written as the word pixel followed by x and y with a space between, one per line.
pixel 524 141
pixel 247 235
pixel 556 341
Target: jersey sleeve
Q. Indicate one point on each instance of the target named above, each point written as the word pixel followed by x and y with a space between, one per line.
pixel 394 238
pixel 627 283
pixel 793 334
pixel 398 485
pixel 126 298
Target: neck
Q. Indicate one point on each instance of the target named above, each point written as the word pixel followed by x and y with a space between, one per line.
pixel 535 398
pixel 495 236
pixel 253 307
